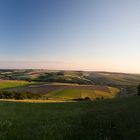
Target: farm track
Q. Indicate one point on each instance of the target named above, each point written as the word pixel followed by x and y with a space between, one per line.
pixel 36 101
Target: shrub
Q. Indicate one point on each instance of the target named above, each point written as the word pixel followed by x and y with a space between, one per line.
pixel 102 98
pixel 87 98
pixel 18 95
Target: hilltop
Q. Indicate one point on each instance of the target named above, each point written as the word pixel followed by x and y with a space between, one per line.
pixel 81 77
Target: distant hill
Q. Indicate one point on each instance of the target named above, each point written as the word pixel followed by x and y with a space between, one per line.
pixel 80 77
pixel 126 83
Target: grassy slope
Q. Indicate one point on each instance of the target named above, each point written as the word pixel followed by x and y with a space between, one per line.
pixel 12 83
pixel 68 91
pixel 117 119
pixel 80 93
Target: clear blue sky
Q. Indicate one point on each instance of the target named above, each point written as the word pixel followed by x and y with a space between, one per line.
pixel 70 34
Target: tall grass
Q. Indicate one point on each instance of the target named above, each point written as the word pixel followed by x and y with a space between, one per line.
pixel 116 119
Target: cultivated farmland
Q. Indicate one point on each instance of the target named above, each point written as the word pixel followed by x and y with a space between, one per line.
pixel 68 91
pixel 4 84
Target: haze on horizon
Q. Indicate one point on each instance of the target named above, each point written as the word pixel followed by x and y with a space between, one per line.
pixel 98 35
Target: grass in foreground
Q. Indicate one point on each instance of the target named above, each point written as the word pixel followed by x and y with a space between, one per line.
pixel 117 119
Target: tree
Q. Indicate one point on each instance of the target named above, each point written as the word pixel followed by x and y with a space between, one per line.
pixel 138 90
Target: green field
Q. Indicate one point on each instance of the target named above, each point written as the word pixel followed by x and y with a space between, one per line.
pixel 82 94
pixel 60 91
pixel 116 119
pixel 12 83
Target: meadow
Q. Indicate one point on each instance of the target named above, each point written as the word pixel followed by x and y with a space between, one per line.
pixel 12 83
pixel 57 91
pixel 92 94
pixel 115 119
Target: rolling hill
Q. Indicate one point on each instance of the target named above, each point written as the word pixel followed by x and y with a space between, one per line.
pixel 81 77
pixel 127 83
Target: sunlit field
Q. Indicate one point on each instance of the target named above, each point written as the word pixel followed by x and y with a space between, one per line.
pixel 83 93
pixel 12 83
pixel 57 91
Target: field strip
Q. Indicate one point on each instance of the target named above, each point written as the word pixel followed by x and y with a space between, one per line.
pixel 35 101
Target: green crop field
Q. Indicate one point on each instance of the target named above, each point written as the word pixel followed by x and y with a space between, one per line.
pixel 82 94
pixel 116 119
pixel 12 83
pixel 66 91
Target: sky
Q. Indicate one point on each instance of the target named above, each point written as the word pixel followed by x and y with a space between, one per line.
pixel 94 35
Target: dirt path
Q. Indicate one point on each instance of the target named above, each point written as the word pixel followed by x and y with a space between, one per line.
pixel 35 101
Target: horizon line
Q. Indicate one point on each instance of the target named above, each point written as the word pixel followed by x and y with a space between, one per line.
pixel 99 71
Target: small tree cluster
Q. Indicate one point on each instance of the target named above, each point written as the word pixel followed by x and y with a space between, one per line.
pixel 18 96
